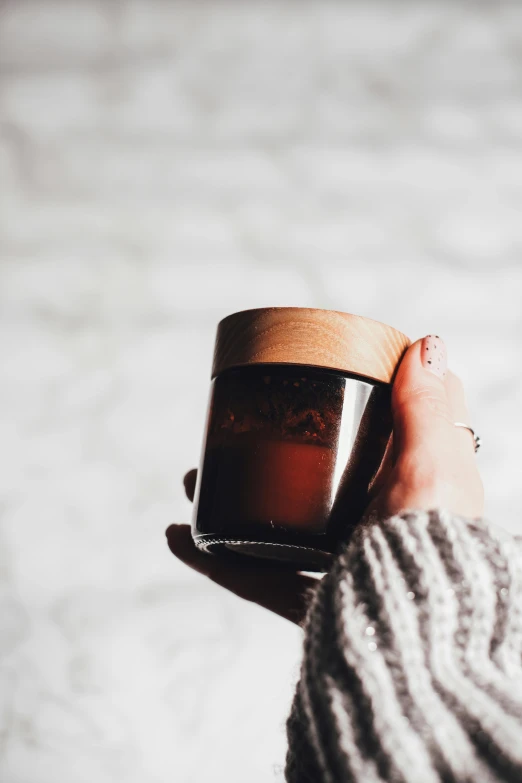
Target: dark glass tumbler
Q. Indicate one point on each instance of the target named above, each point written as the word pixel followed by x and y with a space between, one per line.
pixel 289 453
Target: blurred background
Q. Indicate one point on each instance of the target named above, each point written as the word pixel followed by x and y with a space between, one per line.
pixel 163 164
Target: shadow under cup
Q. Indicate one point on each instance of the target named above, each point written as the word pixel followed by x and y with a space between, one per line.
pixel 289 453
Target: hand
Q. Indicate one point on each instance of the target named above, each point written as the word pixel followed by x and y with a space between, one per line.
pixel 429 463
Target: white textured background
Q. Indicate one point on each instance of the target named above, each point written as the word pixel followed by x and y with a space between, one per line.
pixel 163 164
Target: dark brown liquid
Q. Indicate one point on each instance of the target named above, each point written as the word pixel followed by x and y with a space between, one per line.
pixel 283 484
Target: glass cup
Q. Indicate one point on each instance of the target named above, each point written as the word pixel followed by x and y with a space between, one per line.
pixel 290 448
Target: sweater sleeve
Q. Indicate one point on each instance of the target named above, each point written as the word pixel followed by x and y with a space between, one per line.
pixel 412 667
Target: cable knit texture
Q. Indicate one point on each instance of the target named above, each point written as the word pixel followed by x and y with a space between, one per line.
pixel 412 667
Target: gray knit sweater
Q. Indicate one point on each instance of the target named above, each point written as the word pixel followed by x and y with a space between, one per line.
pixel 412 667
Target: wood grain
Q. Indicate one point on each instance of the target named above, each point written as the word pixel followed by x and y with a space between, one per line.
pixel 303 335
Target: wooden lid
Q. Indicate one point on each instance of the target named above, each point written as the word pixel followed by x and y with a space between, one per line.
pixel 304 335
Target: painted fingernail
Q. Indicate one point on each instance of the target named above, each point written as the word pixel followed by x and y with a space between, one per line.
pixel 434 356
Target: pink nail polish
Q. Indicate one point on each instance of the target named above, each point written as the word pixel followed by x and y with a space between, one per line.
pixel 433 355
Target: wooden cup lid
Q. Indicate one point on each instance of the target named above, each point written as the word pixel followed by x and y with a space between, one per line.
pixel 305 335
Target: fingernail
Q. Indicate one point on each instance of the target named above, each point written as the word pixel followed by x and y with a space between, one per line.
pixel 433 355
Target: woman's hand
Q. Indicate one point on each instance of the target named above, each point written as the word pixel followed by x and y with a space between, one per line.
pixel 429 463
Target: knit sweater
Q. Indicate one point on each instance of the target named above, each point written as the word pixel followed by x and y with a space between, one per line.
pixel 412 666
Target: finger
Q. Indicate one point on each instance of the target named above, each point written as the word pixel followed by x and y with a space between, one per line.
pixel 423 422
pixel 287 593
pixel 189 482
pixel 459 408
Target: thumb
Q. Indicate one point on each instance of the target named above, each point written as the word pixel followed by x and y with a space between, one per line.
pixel 433 464
pixel 422 416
